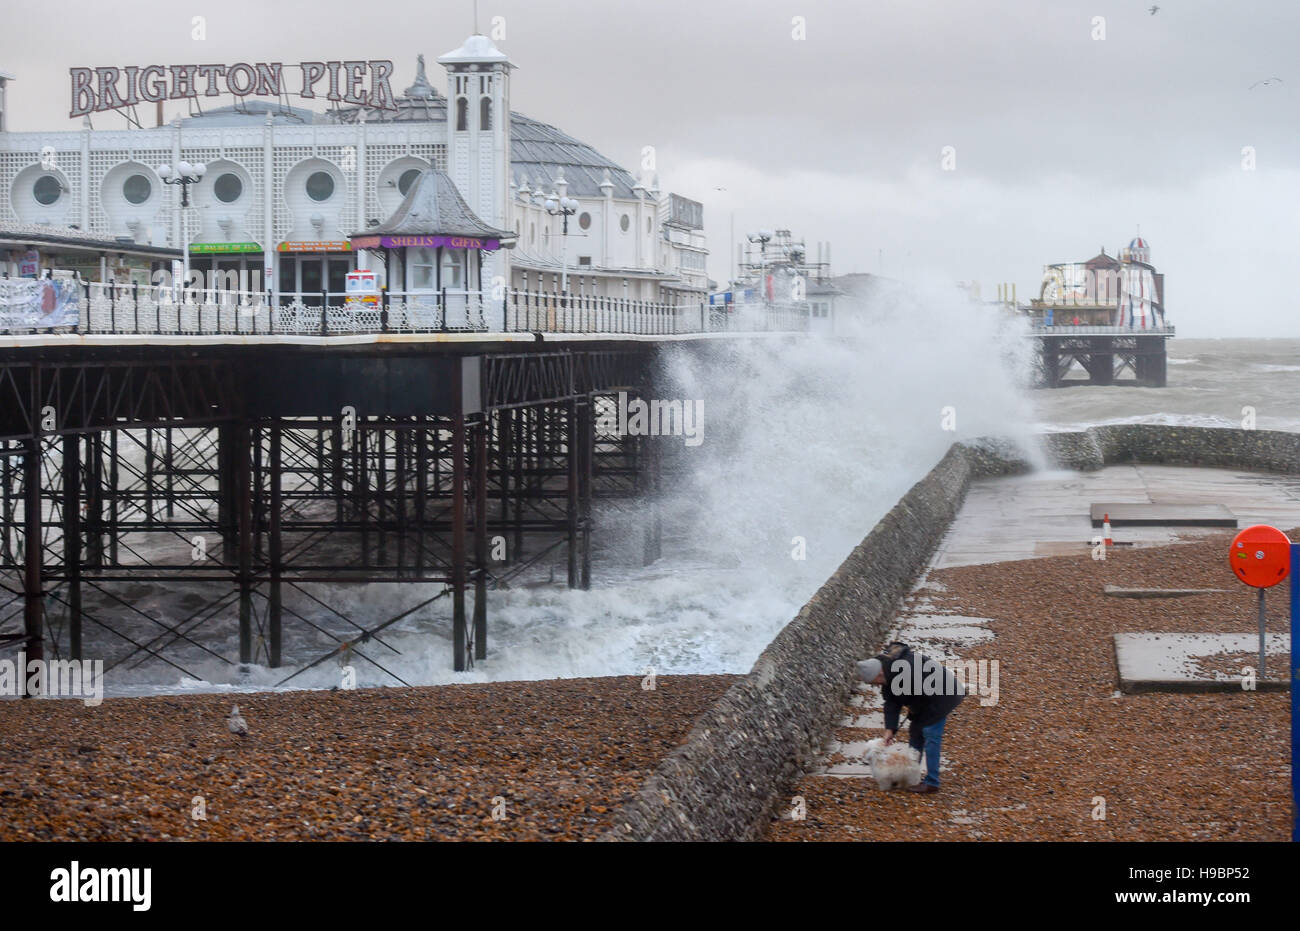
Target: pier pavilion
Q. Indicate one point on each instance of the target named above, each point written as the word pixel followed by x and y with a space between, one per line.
pixel 1104 317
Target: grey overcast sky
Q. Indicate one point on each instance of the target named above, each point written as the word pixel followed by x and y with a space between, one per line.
pixel 1064 142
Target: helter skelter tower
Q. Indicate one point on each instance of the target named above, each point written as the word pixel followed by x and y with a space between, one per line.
pixel 1141 289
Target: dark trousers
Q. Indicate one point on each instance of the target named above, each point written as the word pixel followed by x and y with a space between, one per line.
pixel 930 740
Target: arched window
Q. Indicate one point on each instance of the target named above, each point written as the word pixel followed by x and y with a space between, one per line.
pixel 451 269
pixel 485 113
pixel 462 114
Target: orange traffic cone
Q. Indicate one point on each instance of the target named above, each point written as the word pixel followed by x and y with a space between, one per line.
pixel 1105 531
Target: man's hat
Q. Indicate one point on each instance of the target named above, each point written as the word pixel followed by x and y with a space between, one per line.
pixel 869 669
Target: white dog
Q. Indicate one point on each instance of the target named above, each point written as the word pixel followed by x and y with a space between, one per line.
pixel 893 765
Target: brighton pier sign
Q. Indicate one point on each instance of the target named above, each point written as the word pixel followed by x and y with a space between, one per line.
pixel 95 90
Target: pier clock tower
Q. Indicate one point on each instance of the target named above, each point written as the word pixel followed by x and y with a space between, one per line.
pixel 478 138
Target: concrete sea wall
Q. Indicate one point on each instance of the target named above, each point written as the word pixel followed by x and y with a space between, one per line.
pixel 723 782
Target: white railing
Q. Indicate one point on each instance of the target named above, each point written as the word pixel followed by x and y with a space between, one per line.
pixel 109 308
pixel 1067 329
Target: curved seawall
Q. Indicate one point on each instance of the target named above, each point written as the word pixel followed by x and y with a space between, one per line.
pixel 722 783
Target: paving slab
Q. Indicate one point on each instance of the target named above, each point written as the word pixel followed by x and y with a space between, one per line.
pixel 1046 513
pixel 1162 515
pixel 1167 662
pixel 1118 591
pixel 872 720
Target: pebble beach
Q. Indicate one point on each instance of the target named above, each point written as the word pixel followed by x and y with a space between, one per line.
pixel 553 760
pixel 545 760
pixel 1062 745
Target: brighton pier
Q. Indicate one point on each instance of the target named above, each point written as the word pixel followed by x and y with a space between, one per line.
pixel 247 450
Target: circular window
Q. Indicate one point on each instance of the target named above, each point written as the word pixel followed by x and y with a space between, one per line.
pixel 320 186
pixel 137 189
pixel 624 222
pixel 403 183
pixel 584 220
pixel 47 190
pixel 228 188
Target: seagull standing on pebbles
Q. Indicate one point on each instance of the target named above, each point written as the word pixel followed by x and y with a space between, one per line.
pixel 235 721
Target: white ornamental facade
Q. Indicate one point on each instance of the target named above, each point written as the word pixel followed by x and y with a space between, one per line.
pixel 284 188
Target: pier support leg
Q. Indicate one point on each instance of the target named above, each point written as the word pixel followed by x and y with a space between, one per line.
pixel 227 506
pixel 480 538
pixel 573 447
pixel 421 490
pixel 458 541
pixel 1104 366
pixel 587 446
pixel 169 465
pixel 520 425
pixel 1050 362
pixel 338 465
pixel 275 607
pixel 72 539
pixel 95 501
pixel 505 432
pixel 113 486
pixel 33 595
pixel 243 491
pixel 650 458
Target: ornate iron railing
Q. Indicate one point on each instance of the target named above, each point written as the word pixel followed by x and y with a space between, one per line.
pixel 28 306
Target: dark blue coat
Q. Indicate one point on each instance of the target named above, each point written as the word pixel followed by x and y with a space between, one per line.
pixel 907 680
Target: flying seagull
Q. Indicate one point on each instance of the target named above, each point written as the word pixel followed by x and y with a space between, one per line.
pixel 1266 82
pixel 1153 10
pixel 235 721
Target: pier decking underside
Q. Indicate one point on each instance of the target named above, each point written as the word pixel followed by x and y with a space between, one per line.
pixel 250 471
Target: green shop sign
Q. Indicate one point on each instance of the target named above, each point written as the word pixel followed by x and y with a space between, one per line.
pixel 211 248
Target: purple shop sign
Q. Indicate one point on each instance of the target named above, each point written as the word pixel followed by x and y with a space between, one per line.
pixel 425 242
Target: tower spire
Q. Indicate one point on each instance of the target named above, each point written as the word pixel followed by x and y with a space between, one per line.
pixel 421 87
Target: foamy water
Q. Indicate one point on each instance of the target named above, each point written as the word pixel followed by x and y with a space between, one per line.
pixel 807 443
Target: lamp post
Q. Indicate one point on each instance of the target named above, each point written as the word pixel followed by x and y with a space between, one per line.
pixel 185 174
pixel 564 207
pixel 762 237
